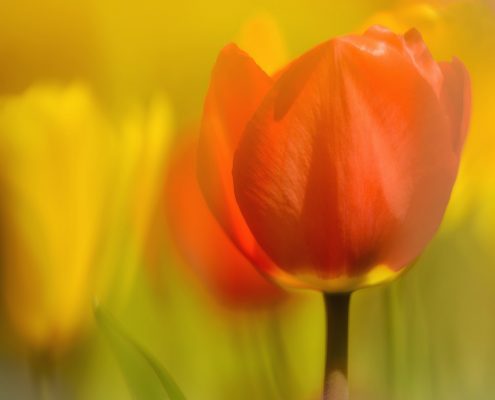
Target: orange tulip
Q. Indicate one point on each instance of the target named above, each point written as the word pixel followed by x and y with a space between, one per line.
pixel 343 163
pixel 334 173
pixel 204 245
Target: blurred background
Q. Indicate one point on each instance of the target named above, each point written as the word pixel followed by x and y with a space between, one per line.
pixel 100 103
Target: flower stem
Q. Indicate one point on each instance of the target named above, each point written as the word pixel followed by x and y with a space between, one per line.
pixel 43 379
pixel 337 321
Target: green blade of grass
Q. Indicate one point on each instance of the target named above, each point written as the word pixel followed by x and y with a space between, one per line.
pixel 146 377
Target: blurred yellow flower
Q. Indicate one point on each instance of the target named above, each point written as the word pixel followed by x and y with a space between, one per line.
pixel 77 191
pixel 143 143
pixel 261 38
pixel 54 148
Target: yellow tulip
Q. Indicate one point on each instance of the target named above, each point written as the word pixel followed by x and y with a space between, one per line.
pixel 143 142
pixel 68 206
pixel 54 181
pixel 261 38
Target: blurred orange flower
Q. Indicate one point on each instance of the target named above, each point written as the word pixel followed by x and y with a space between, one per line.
pixel 203 243
pixel 344 162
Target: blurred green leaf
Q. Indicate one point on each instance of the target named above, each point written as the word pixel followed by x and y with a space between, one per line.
pixel 146 377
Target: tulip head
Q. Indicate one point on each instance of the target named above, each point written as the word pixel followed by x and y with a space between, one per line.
pixel 53 155
pixel 73 180
pixel 342 164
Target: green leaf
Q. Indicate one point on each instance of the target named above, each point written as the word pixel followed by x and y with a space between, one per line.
pixel 146 377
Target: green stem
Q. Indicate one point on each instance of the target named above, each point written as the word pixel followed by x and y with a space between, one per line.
pixel 43 381
pixel 337 320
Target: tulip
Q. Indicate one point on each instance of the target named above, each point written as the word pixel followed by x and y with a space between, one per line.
pixel 334 174
pixel 72 183
pixel 466 29
pixel 141 154
pixel 54 145
pixel 229 275
pixel 229 279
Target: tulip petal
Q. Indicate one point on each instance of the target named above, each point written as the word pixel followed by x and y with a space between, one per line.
pixel 205 245
pixel 413 46
pixel 236 89
pixel 382 34
pixel 423 60
pixel 346 150
pixel 456 97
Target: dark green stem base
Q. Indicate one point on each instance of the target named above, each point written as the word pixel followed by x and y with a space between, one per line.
pixel 337 321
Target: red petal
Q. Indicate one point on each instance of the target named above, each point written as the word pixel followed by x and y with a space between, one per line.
pixel 236 89
pixel 349 150
pixel 456 98
pixel 412 46
pixel 382 34
pixel 204 244
pixel 423 60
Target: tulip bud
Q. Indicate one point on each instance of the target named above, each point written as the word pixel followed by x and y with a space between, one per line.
pixel 72 183
pixel 343 163
pixel 54 147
